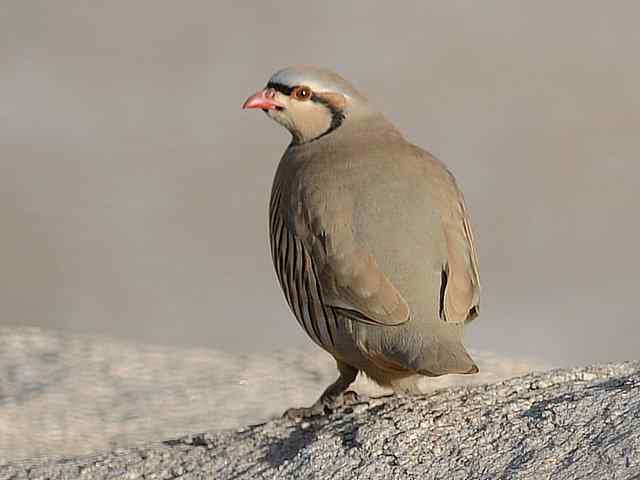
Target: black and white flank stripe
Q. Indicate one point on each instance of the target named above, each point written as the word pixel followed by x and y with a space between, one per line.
pixel 298 278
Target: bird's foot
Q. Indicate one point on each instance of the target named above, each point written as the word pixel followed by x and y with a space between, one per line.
pixel 326 406
pixel 351 398
pixel 303 412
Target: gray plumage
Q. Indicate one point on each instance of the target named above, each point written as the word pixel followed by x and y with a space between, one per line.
pixel 370 237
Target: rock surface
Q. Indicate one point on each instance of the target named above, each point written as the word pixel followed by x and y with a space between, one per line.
pixel 561 424
pixel 70 395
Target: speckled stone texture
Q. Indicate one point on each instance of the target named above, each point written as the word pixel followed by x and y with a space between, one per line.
pixel 70 395
pixel 561 424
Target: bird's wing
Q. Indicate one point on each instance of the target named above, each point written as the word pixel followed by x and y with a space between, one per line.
pixel 360 290
pixel 460 276
pixel 350 278
pixel 346 276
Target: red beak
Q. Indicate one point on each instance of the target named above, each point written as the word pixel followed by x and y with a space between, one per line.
pixel 264 99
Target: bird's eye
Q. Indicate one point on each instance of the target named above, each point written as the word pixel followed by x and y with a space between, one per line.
pixel 301 93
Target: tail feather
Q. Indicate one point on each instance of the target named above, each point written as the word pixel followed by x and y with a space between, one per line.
pixel 444 358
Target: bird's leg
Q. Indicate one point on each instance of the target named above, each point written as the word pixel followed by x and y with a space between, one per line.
pixel 331 398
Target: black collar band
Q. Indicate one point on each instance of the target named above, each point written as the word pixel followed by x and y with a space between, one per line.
pixel 337 116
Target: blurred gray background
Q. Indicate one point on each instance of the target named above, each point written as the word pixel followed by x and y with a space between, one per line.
pixel 133 188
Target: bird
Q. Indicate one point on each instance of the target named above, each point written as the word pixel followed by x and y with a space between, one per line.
pixel 370 239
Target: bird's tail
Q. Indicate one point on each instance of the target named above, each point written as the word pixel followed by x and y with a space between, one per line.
pixel 444 358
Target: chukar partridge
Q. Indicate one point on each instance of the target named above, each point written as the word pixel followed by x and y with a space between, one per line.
pixel 370 238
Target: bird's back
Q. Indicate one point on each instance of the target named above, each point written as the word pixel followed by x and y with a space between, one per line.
pixel 387 191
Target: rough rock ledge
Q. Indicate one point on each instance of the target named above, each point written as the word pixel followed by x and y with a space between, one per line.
pixel 560 424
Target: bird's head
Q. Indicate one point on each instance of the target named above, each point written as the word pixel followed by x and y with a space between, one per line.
pixel 310 102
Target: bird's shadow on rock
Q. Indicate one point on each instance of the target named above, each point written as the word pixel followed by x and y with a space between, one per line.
pixel 301 435
pixel 282 450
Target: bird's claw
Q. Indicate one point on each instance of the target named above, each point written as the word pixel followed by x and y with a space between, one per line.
pixel 351 398
pixel 325 406
pixel 304 412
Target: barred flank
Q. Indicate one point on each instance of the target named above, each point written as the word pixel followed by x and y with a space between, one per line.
pixel 298 279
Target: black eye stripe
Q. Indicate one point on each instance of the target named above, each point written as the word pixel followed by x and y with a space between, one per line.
pixel 287 90
pixel 280 87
